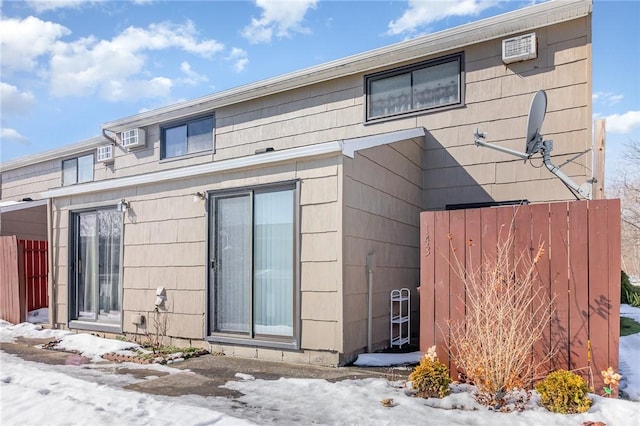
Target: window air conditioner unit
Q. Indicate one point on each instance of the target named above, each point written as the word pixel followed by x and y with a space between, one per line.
pixel 105 154
pixel 134 138
pixel 519 48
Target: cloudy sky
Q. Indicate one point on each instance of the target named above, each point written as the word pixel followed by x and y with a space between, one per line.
pixel 67 66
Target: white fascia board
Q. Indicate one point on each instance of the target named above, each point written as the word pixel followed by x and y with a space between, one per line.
pixel 21 205
pixel 518 21
pixel 350 146
pixel 257 160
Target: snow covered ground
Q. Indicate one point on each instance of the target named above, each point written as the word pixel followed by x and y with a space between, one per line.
pixel 34 393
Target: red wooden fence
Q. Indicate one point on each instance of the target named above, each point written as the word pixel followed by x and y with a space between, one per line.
pixel 23 278
pixel 581 267
pixel 35 273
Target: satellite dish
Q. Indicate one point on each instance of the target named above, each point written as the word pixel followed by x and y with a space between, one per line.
pixel 535 143
pixel 534 123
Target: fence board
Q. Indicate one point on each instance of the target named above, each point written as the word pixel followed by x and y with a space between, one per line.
pixel 540 217
pixel 615 247
pixel 441 285
pixel 599 303
pixel 427 280
pixel 559 284
pixel 578 287
pixel 10 292
pixel 581 268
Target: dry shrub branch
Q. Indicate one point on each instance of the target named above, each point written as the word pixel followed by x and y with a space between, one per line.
pixel 507 311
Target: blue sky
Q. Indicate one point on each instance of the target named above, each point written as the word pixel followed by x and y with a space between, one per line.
pixel 70 65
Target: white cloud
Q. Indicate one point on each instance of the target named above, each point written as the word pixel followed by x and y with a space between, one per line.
pixel 40 6
pixel 13 101
pixel 424 12
pixel 192 78
pixel 45 5
pixel 278 17
pixel 12 135
pixel 607 98
pixel 239 58
pixel 134 90
pixel 622 123
pixel 113 67
pixel 25 40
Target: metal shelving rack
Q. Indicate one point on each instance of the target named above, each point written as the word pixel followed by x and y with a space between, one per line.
pixel 400 313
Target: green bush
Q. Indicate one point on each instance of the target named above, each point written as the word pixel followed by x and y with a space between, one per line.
pixel 564 392
pixel 431 379
pixel 629 293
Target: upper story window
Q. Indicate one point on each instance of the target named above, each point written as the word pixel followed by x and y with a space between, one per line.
pixel 433 84
pixel 186 138
pixel 77 170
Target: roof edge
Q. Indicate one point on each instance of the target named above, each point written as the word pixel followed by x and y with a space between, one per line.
pixel 53 154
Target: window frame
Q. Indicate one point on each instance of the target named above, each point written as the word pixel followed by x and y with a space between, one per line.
pixel 185 123
pixel 76 161
pixel 252 337
pixel 409 71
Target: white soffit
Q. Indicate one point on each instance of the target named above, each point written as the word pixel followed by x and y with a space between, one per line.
pixel 346 147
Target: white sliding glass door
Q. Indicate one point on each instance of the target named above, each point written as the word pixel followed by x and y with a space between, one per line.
pixel 253 262
pixel 95 291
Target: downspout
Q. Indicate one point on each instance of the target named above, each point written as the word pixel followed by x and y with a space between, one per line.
pixel 50 286
pixel 106 136
pixel 370 265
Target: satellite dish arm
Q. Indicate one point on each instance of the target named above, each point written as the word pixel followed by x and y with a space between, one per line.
pixel 584 190
pixel 479 141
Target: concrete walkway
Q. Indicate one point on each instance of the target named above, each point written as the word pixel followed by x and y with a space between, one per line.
pixel 204 375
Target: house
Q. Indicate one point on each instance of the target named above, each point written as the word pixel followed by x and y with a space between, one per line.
pixel 262 219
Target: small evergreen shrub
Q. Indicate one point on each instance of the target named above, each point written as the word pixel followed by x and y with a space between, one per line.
pixel 431 378
pixel 629 293
pixel 564 392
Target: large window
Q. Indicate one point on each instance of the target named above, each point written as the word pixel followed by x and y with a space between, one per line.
pixel 95 289
pixel 253 263
pixel 187 138
pixel 77 170
pixel 428 85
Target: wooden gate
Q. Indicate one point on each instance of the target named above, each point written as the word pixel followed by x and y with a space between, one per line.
pixel 581 267
pixel 23 278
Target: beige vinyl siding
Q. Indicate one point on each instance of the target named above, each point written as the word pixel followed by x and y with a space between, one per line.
pixel 30 180
pixel 25 224
pixel 498 97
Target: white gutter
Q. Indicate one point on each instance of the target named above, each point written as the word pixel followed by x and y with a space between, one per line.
pixel 518 21
pixel 346 147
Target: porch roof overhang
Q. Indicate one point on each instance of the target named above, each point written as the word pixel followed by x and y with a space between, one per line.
pixel 10 206
pixel 346 147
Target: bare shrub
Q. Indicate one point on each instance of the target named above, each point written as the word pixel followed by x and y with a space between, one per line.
pixel 156 337
pixel 505 315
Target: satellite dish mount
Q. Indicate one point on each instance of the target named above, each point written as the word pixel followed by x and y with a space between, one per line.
pixel 535 144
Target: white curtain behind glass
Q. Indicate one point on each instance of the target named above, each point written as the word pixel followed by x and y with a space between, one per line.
pixel 233 258
pixel 87 262
pixel 273 263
